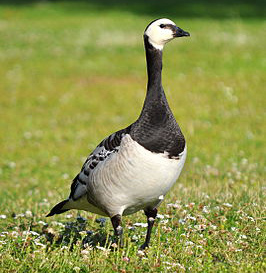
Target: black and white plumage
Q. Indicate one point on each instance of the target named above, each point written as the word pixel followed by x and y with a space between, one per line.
pixel 135 167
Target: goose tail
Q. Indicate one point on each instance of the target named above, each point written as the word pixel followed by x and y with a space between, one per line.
pixel 59 208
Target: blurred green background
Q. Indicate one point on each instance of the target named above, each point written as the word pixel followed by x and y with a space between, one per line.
pixel 72 72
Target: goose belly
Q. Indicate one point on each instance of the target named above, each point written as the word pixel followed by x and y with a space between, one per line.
pixel 133 179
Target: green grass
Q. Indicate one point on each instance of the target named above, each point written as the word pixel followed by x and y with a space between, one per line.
pixel 71 74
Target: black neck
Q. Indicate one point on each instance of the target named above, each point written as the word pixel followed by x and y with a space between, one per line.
pixel 156 128
pixel 155 96
pixel 154 66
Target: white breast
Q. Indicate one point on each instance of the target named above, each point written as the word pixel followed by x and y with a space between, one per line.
pixel 133 178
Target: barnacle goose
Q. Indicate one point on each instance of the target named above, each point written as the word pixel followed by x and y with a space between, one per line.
pixel 134 168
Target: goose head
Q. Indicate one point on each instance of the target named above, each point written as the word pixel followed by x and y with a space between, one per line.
pixel 161 31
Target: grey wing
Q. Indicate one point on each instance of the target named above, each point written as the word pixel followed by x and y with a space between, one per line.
pixel 107 147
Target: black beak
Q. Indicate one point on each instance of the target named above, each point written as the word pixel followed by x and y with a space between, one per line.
pixel 179 32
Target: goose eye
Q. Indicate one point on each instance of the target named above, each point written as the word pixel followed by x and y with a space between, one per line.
pixel 162 25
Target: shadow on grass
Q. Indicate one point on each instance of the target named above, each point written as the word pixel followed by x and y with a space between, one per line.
pixel 173 8
pixel 77 231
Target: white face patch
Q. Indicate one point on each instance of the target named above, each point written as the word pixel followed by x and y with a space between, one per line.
pixel 159 36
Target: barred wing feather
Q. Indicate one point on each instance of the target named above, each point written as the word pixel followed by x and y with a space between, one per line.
pixel 107 147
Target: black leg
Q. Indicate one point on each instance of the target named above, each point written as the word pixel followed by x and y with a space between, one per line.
pixel 151 215
pixel 117 225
